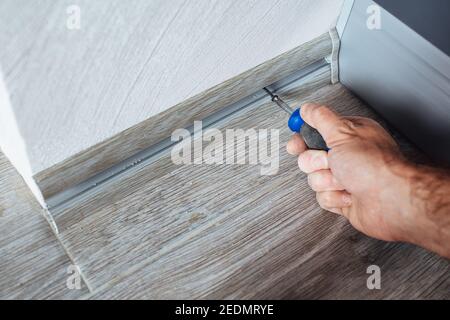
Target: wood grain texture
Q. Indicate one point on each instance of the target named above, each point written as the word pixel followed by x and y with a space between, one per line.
pixel 226 231
pixel 211 232
pixel 131 61
pixel 153 130
pixel 33 263
pixel 98 198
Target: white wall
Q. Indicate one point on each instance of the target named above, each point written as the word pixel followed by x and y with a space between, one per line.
pixel 71 89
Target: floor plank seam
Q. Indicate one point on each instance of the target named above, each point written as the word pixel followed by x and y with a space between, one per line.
pixel 72 260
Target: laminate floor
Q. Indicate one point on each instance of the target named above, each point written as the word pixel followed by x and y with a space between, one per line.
pixel 210 231
pixel 33 263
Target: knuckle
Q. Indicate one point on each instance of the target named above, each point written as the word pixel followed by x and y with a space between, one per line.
pixel 319 199
pixel 321 111
pixel 313 182
pixel 306 108
pixel 367 123
pixel 348 124
pixel 323 198
pixel 347 127
pixel 319 159
pixel 327 198
pixel 301 163
pixel 324 179
pixel 305 161
pixel 316 181
pixel 313 160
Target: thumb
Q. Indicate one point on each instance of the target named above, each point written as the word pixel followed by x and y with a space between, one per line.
pixel 323 119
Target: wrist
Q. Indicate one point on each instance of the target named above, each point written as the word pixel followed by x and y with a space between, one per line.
pixel 405 214
pixel 427 212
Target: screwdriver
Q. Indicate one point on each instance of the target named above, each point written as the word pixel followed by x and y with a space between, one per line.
pixel 311 136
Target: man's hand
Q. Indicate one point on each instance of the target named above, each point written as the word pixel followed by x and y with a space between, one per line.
pixel 365 178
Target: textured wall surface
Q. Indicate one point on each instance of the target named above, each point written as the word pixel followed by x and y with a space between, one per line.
pixel 71 89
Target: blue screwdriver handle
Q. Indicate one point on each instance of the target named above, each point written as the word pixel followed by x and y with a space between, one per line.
pixel 311 136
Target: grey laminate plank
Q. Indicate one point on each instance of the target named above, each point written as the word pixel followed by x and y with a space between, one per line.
pixel 103 155
pixel 33 264
pixel 228 232
pixel 154 206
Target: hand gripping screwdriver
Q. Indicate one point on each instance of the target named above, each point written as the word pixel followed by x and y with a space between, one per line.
pixel 311 136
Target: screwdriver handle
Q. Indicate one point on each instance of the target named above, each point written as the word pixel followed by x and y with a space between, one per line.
pixel 311 136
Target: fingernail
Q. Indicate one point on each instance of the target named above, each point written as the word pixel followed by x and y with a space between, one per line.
pixel 308 104
pixel 320 160
pixel 302 109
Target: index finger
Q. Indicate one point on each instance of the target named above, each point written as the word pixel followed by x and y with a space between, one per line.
pixel 322 119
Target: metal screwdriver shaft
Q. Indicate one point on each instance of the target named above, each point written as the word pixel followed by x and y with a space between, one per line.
pixel 283 105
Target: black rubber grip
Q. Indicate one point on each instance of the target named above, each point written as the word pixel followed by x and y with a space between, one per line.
pixel 313 138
